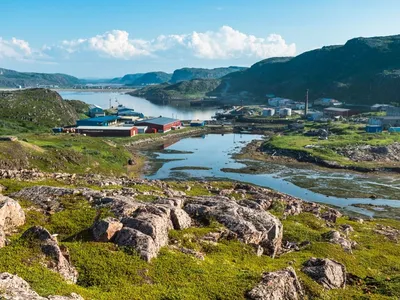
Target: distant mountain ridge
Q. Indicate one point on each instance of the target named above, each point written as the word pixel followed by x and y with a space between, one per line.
pixel 14 79
pixel 185 74
pixel 363 71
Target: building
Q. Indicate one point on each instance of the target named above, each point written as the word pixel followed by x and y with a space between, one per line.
pixel 98 121
pixel 197 123
pixel 394 129
pixel 392 111
pixel 268 112
pixel 286 112
pixel 161 124
pixel 280 102
pixel 96 111
pixel 141 129
pixel 315 115
pixel 107 131
pixel 128 112
pixel 338 112
pixel 380 107
pixel 327 102
pixel 373 128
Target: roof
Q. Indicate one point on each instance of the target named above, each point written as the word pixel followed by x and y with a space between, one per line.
pixel 159 121
pixel 91 106
pixel 104 128
pixel 101 119
pixel 337 109
pixel 197 121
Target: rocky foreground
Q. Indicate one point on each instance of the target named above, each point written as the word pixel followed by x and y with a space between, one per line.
pixel 142 214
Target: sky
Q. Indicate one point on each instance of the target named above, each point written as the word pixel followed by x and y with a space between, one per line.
pixel 106 39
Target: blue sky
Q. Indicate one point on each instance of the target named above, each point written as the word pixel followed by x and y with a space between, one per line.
pixel 105 38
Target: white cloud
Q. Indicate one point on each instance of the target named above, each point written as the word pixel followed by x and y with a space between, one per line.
pixel 225 43
pixel 15 49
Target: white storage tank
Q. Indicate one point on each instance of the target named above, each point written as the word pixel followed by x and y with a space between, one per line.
pixel 268 112
pixel 286 112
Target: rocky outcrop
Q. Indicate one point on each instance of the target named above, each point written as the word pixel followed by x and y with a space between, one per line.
pixel 281 284
pixel 142 243
pixel 105 230
pixel 391 233
pixel 180 219
pixel 11 214
pixel 57 262
pixel 329 273
pixel 13 287
pixel 252 226
pixel 335 237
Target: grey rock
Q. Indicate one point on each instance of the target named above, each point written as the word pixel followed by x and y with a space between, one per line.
pixel 3 239
pixel 281 284
pixel 105 230
pixel 329 273
pixel 335 237
pixel 142 243
pixel 331 215
pixel 11 214
pixel 121 206
pixel 13 287
pixel 58 257
pixel 252 226
pixel 180 219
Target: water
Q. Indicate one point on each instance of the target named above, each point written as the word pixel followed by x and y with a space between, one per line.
pixel 215 152
pixel 102 99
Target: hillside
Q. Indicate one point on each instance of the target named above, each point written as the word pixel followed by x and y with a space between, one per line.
pixel 363 71
pixel 150 78
pixel 13 79
pixel 185 74
pixel 193 89
pixel 34 109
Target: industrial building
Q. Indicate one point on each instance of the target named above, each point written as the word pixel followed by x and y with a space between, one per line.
pixel 268 112
pixel 197 123
pixel 96 111
pixel 98 121
pixel 336 112
pixel 161 124
pixel 373 128
pixel 285 112
pixel 107 131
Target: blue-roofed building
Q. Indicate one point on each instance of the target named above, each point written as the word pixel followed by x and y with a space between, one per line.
pixel 98 121
pixel 161 124
pixel 96 111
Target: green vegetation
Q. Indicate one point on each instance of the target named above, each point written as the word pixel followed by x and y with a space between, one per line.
pixel 186 74
pixel 363 71
pixel 229 270
pixel 193 89
pixel 14 79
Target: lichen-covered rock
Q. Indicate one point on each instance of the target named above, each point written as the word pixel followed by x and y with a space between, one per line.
pixel 13 287
pixel 142 243
pixel 281 284
pixel 121 206
pixel 180 219
pixel 50 248
pixel 331 215
pixel 335 237
pixel 11 214
pixel 252 226
pixel 329 273
pixel 105 230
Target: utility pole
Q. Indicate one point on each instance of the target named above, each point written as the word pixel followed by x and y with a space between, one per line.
pixel 306 106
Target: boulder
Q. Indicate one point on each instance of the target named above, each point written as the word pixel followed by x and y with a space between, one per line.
pixel 105 230
pixel 329 273
pixel 281 284
pixel 121 206
pixel 13 287
pixel 3 240
pixel 335 237
pixel 180 219
pixel 139 241
pixel 58 262
pixel 331 215
pixel 11 214
pixel 252 226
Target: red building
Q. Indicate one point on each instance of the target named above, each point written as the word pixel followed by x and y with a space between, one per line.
pixel 107 131
pixel 160 124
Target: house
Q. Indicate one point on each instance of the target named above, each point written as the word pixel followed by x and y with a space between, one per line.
pixel 197 123
pixel 107 131
pixel 327 102
pixel 96 111
pixel 161 124
pixel 98 121
pixel 336 112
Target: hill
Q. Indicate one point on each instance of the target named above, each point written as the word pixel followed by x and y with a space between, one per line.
pixel 198 73
pixel 193 89
pixel 10 78
pixel 34 109
pixel 363 71
pixel 150 78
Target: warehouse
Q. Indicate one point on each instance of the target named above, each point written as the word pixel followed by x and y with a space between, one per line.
pixel 98 121
pixel 197 123
pixel 107 131
pixel 161 124
pixel 334 112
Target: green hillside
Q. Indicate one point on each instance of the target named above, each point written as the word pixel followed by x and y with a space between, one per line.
pixel 363 71
pixel 185 74
pixel 150 78
pixel 10 78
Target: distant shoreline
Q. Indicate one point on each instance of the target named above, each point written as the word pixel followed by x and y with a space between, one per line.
pixel 95 90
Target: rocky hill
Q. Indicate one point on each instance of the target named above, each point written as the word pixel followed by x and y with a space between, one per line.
pixel 363 71
pixel 193 89
pixel 10 78
pixel 186 74
pixel 148 79
pixel 36 108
